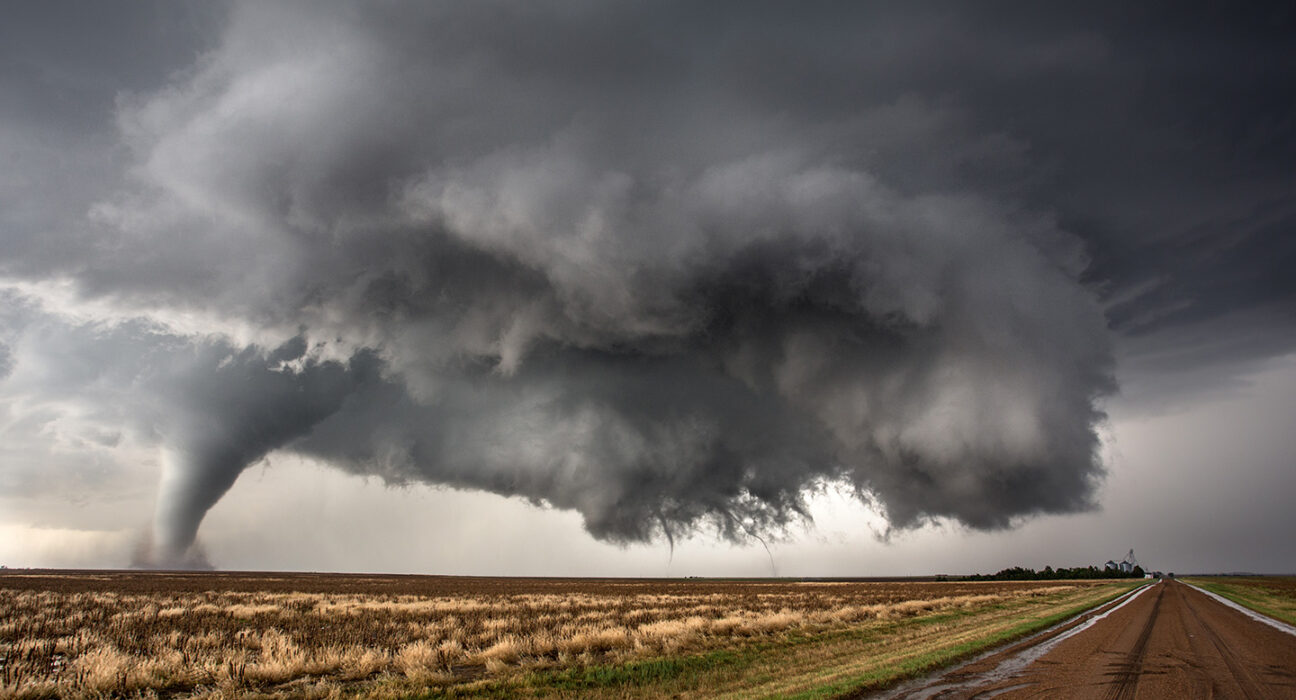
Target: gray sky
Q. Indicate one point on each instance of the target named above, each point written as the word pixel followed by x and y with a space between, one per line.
pixel 631 288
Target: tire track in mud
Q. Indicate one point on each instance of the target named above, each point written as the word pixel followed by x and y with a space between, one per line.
pixel 1244 678
pixel 1126 678
pixel 1176 643
pixel 1007 662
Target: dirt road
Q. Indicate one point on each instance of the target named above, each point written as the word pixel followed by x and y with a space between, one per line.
pixel 1166 641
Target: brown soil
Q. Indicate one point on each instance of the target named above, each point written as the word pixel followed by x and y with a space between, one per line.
pixel 1170 642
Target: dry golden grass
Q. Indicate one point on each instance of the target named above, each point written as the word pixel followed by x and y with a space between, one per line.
pixel 90 635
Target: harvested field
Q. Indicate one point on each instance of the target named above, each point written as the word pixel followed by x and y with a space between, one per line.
pixel 180 634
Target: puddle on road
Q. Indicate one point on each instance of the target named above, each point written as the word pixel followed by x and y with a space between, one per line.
pixel 1013 665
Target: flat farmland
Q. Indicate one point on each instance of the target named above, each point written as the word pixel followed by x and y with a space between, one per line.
pixel 123 634
pixel 1274 596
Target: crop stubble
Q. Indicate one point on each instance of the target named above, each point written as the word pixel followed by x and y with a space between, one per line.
pixel 124 633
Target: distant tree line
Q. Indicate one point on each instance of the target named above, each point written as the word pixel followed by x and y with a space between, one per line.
pixel 1048 573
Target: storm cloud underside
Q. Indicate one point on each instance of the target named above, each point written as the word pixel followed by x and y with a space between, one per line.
pixel 666 274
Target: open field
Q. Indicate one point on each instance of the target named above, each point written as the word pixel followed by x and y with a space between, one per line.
pixel 221 634
pixel 1274 596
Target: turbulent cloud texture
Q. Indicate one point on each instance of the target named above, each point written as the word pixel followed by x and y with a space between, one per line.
pixel 660 265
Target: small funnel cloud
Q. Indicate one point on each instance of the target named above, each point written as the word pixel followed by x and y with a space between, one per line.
pixel 225 410
pixel 190 485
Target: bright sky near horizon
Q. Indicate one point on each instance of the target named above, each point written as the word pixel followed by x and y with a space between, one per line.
pixel 631 288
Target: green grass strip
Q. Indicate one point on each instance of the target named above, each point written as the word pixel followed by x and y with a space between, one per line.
pixel 1251 595
pixel 634 673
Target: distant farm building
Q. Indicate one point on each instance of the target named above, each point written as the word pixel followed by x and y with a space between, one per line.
pixel 1125 566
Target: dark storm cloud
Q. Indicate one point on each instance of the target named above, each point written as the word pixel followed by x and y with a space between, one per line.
pixel 666 265
pixel 1172 160
pixel 63 64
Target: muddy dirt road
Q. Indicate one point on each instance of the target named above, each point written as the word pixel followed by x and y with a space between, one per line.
pixel 1166 641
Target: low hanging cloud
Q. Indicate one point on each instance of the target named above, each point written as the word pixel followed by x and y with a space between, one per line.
pixel 496 263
